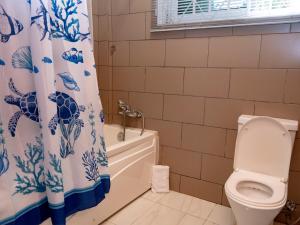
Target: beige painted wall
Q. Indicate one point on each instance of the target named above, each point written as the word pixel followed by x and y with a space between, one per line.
pixel 192 86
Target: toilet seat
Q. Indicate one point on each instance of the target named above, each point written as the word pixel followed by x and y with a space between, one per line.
pixel 256 190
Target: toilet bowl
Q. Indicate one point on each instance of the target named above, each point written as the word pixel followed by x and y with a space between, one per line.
pixel 257 189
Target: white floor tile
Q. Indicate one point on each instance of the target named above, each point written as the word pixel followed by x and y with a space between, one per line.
pixel 153 196
pixel 222 215
pixel 191 220
pixel 176 200
pixel 160 215
pixel 198 207
pixel 130 213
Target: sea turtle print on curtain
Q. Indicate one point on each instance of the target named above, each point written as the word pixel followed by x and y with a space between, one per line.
pixel 53 160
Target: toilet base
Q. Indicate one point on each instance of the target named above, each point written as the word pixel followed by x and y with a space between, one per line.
pixel 251 216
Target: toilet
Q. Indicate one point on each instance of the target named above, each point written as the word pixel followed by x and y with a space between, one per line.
pixel 257 189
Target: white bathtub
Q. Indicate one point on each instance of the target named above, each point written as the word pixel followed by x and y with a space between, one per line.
pixel 130 166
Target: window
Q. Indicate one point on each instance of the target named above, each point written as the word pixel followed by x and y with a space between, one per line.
pixel 191 14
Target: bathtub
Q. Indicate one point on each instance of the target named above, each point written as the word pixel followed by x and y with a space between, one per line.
pixel 130 166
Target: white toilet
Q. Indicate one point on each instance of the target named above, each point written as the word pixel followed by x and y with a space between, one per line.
pixel 257 189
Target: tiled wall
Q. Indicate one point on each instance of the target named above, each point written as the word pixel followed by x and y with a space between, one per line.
pixel 192 86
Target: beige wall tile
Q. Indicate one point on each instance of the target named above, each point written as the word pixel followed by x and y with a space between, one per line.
pixel 294 187
pixel 224 199
pixel 211 32
pixel 103 53
pixel 182 162
pixel 225 112
pixel 230 143
pixel 203 139
pixel 116 95
pixel 236 51
pixel 121 53
pixel 128 27
pixel 96 28
pixel 295 164
pixel 187 52
pixel 96 52
pixel 295 27
pixel 95 7
pixel 104 7
pixel 105 97
pixel 183 109
pixel 150 104
pixel 140 6
pixel 120 7
pixel 128 78
pixel 260 85
pixel 280 51
pixel 104 77
pixel 201 189
pixel 285 111
pixel 292 88
pixel 174 182
pixel 147 53
pixel 262 29
pixel 104 28
pixel 216 169
pixel 169 132
pixel 206 82
pixel 164 80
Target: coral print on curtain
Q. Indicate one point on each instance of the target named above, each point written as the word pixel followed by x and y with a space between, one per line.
pixel 53 159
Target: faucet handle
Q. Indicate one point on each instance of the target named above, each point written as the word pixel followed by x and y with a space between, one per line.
pixel 123 105
pixel 139 113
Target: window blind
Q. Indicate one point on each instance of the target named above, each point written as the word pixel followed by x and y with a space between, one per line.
pixel 192 14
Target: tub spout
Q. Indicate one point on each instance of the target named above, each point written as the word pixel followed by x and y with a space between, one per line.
pixel 132 113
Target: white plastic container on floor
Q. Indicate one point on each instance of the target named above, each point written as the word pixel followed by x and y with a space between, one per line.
pixel 160 178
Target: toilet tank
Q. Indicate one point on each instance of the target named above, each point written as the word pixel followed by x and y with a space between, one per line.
pixel 264 145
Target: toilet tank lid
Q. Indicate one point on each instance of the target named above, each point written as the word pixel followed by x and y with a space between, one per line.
pixel 290 125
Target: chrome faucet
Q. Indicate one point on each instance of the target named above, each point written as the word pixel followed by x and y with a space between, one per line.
pixel 131 113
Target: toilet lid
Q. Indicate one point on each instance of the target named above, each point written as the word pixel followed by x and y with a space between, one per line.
pixel 264 146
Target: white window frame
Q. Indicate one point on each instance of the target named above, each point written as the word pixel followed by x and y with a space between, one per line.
pixel 166 18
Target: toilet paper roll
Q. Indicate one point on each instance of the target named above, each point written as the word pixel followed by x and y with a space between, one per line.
pixel 160 178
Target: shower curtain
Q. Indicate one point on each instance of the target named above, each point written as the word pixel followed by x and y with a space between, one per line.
pixel 53 160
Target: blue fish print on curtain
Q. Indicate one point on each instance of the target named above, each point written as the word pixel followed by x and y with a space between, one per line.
pixel 41 20
pixel 2 63
pixel 4 162
pixel 50 145
pixel 69 81
pixel 73 55
pixel 22 59
pixel 14 25
pixel 27 104
pixel 47 60
pixel 87 73
pixel 64 24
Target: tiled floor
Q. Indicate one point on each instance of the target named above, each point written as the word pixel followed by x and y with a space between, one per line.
pixel 172 209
